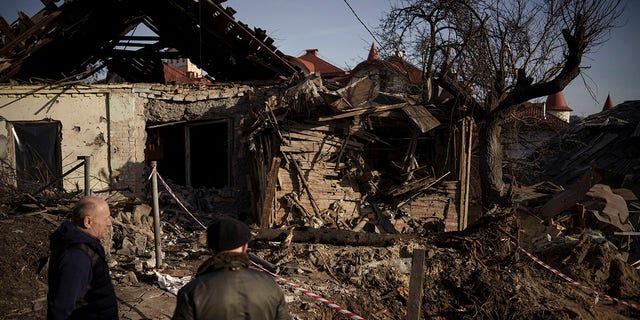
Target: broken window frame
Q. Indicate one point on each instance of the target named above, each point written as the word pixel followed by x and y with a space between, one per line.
pixel 54 168
pixel 188 163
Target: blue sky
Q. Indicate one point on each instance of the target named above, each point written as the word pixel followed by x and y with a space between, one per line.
pixel 331 27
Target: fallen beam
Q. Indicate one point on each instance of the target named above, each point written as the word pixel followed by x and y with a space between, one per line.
pixel 332 236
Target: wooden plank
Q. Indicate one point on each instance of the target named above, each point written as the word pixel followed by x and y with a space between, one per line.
pixel 269 194
pixel 25 19
pixel 417 194
pixel 332 236
pixel 364 111
pixel 291 136
pixel 39 28
pixel 294 126
pixel 465 158
pixel 416 281
pixel 293 150
pixel 413 186
pixel 307 148
pixel 422 117
pixel 304 133
pixel 322 166
pixel 6 29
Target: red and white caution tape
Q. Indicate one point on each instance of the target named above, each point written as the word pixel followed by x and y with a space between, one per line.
pixel 154 171
pixel 574 282
pixel 324 301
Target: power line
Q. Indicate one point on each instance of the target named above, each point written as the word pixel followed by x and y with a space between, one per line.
pixel 363 24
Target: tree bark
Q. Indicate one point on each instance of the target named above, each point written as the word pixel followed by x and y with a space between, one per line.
pixel 490 148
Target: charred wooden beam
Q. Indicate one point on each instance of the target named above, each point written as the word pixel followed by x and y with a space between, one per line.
pixel 37 29
pixel 25 19
pixel 332 236
pixel 5 28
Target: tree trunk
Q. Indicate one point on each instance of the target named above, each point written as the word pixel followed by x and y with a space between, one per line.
pixel 490 148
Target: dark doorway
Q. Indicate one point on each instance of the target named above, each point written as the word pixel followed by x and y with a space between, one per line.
pixel 193 153
pixel 37 147
pixel 209 156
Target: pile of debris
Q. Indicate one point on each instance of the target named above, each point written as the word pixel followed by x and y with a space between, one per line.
pixel 597 161
pixel 355 159
pixel 481 273
pixel 349 229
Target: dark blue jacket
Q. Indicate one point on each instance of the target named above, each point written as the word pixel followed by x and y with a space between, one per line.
pixel 79 283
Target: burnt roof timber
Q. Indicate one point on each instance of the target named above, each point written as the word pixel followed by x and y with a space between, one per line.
pixel 82 32
pixel 5 28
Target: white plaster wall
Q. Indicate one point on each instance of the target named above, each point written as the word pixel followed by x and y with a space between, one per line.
pixel 84 113
pixel 128 137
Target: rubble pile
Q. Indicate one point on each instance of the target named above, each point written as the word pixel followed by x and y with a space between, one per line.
pixel 591 183
pixel 607 141
pixel 357 250
pixel 471 274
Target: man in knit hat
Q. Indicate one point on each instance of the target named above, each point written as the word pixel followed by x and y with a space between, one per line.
pixel 225 287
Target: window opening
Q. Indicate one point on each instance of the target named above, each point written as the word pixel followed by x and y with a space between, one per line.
pixel 37 152
pixel 194 153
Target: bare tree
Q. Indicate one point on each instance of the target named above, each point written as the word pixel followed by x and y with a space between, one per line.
pixel 492 55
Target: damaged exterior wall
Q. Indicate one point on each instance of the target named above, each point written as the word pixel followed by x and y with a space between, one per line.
pixel 108 123
pixel 363 170
pixel 280 171
pixel 104 122
pixel 229 103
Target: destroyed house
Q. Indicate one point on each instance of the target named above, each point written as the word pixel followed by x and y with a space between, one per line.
pixel 262 141
pixel 524 133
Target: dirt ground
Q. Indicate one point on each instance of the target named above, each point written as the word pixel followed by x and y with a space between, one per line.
pixel 475 274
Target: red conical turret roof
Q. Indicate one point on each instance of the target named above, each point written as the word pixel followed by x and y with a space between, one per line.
pixel 607 104
pixel 373 53
pixel 556 102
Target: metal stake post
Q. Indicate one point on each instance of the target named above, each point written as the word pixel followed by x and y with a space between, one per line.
pixel 156 214
pixel 87 176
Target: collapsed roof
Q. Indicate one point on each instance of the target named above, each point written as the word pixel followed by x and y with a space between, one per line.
pixel 77 38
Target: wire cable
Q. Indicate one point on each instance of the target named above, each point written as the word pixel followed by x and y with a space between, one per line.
pixel 363 24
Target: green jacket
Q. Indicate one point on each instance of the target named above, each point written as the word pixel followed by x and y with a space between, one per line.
pixel 226 288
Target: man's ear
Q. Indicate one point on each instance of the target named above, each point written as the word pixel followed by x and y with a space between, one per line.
pixel 245 247
pixel 86 222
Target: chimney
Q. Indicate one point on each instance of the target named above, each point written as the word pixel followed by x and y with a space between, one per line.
pixel 313 52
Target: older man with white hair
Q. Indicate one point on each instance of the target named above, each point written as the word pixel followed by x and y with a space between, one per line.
pixel 79 282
